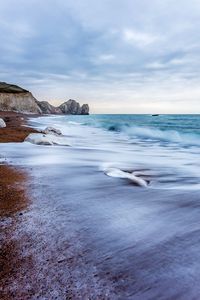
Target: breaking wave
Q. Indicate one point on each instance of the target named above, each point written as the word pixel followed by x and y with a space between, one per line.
pixel 153 134
pixel 164 135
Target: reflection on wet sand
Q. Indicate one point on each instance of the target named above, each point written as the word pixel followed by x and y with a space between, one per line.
pixel 13 202
pixel 12 194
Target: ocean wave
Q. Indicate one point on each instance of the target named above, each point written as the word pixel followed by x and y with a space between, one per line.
pixel 183 132
pixel 164 135
pixel 160 135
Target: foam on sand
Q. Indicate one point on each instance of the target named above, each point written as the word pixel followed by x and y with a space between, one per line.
pixel 114 172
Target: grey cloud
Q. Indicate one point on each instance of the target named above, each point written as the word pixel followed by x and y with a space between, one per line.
pixel 130 49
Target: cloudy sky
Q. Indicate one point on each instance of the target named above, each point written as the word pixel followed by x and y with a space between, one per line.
pixel 120 56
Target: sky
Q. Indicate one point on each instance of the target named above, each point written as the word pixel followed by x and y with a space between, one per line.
pixel 119 56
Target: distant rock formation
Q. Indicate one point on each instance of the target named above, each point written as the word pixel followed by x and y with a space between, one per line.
pixel 85 109
pixel 71 107
pixel 15 98
pixel 47 108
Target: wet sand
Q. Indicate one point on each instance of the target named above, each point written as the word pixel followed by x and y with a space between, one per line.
pixel 15 131
pixel 95 239
pixel 13 202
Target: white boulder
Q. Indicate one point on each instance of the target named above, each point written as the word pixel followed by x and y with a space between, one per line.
pixel 52 130
pixel 2 123
pixel 46 139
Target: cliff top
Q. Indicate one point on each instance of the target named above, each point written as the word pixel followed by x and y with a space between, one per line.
pixel 11 88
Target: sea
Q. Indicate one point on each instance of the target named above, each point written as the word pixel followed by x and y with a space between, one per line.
pixel 167 146
pixel 114 215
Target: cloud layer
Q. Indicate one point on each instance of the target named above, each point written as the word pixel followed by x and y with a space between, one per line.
pixel 125 56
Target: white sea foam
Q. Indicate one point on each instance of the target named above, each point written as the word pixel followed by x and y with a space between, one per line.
pixel 74 123
pixel 114 172
pixel 171 166
pixel 156 230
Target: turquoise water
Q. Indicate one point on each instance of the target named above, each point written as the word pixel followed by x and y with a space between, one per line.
pixel 168 145
pixel 182 129
pixel 142 239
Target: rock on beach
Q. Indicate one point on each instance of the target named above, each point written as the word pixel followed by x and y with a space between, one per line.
pixel 2 123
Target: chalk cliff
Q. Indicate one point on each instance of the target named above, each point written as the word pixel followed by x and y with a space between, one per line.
pixel 15 98
pixel 47 108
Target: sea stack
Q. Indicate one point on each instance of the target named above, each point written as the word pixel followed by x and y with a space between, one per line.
pixel 71 107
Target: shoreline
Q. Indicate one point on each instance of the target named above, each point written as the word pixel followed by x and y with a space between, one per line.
pixel 14 202
pixel 16 129
pixel 15 188
pixel 14 199
pixel 84 235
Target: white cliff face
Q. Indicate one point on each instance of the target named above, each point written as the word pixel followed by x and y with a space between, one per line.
pixel 15 98
pixel 21 102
